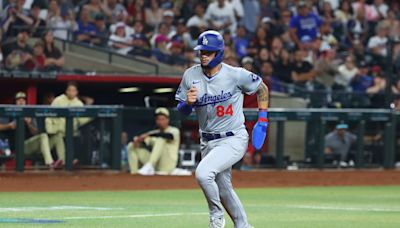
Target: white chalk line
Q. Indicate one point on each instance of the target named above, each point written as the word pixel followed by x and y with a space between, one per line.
pixel 55 208
pixel 333 208
pixel 133 216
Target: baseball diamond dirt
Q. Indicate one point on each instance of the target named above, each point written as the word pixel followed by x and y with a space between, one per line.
pixel 100 181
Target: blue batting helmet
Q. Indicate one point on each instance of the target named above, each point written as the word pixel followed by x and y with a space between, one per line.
pixel 211 41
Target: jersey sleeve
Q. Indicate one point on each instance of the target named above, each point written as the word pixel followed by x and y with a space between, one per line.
pixel 248 82
pixel 180 94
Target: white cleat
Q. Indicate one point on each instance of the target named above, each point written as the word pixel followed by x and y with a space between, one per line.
pixel 217 223
pixel 147 170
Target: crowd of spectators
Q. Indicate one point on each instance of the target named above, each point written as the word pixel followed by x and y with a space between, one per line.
pixel 296 46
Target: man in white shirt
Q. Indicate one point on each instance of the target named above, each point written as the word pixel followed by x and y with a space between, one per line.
pixel 378 43
pixel 197 20
pixel 220 16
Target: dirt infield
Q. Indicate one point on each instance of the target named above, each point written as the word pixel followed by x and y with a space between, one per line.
pixel 110 181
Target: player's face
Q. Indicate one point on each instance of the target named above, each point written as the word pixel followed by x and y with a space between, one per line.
pixel 71 92
pixel 20 101
pixel 206 57
pixel 162 121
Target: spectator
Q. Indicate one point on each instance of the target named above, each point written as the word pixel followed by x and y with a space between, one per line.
pixel 54 57
pixel 168 21
pixel 102 33
pixel 16 19
pixel 302 71
pixel 140 43
pixel 252 10
pixel 154 14
pixel 38 55
pixel 95 7
pixel 247 63
pixel 160 51
pixel 162 156
pixel 357 31
pixel 347 71
pixel 283 67
pixel 136 10
pixel 86 30
pixel 262 56
pixel 181 35
pixel 326 67
pixel 34 140
pixel 198 20
pixel 175 58
pixel 119 40
pixel 259 41
pixel 113 10
pixel 338 145
pixel 378 43
pixel 376 91
pixel 304 26
pixel 276 49
pixel 163 30
pixel 362 81
pixel 39 25
pixel 396 87
pixel 345 12
pixel 18 54
pixel 220 15
pixel 393 24
pixel 61 21
pixel 267 74
pixel 240 42
pixel 371 13
pixel 381 7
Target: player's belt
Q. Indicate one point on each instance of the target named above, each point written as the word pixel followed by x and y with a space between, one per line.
pixel 210 136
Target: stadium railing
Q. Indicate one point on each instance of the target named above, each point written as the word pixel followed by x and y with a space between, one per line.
pixel 113 112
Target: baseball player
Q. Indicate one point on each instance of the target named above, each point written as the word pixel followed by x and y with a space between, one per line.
pixel 215 91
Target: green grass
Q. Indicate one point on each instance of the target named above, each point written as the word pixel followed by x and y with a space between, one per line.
pixel 271 207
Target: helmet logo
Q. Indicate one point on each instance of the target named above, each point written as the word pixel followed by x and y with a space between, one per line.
pixel 205 41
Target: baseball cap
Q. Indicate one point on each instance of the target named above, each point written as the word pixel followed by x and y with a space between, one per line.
pixel 247 59
pixel 161 111
pixel 19 95
pixel 99 17
pixel 168 13
pixel 301 3
pixel 342 126
pixel 266 20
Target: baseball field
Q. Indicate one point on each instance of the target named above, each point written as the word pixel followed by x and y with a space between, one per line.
pixel 272 199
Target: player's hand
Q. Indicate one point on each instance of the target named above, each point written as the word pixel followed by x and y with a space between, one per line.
pixel 191 95
pixel 12 125
pixel 260 130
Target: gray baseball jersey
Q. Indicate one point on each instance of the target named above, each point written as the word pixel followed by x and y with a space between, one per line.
pixel 219 105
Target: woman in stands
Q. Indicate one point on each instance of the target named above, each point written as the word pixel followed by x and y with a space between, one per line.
pixel 54 57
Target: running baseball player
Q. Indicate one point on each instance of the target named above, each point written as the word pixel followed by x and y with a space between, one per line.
pixel 215 91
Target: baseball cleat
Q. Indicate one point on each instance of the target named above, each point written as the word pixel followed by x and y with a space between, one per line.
pixel 217 223
pixel 147 170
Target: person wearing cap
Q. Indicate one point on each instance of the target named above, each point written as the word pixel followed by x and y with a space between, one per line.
pixel 304 24
pixel 156 150
pixel 86 30
pixel 338 144
pixel 35 142
pixel 102 33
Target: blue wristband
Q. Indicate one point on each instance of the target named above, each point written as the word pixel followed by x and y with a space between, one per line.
pixel 263 116
pixel 185 108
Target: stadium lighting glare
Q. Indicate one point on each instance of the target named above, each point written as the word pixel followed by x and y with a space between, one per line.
pixel 129 90
pixel 164 90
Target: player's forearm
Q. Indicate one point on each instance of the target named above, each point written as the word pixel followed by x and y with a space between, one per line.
pixel 263 96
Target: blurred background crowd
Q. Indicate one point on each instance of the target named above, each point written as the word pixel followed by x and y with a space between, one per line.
pixel 346 52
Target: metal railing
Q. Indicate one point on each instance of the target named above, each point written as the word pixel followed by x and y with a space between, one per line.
pixel 18 113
